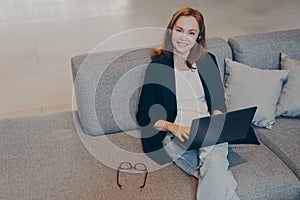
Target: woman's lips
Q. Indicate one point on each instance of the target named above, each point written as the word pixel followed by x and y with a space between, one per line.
pixel 182 44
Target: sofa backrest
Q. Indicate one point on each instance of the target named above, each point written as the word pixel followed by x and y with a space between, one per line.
pixel 107 86
pixel 263 50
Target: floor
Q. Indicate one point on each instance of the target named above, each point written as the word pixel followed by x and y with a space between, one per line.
pixel 38 38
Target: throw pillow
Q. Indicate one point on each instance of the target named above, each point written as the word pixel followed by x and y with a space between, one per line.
pixel 247 86
pixel 288 104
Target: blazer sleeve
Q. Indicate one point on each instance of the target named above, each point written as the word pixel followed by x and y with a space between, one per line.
pixel 214 88
pixel 149 108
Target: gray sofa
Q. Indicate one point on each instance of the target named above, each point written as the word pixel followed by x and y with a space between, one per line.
pixel 76 154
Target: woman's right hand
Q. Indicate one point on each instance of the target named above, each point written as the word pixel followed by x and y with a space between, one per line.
pixel 181 132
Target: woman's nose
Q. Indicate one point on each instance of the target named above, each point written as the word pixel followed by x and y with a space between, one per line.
pixel 183 36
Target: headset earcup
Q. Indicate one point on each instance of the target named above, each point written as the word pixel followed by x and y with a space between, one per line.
pixel 199 38
pixel 169 33
pixel 201 33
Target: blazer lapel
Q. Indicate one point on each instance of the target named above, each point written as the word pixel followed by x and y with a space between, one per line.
pixel 201 67
pixel 169 97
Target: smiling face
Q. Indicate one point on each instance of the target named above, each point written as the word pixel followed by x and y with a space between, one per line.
pixel 184 35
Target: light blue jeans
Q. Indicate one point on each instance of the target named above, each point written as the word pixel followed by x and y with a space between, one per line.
pixel 209 165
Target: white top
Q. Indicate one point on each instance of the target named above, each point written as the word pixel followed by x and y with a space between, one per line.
pixel 190 96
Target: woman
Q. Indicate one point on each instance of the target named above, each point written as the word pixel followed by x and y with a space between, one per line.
pixel 182 83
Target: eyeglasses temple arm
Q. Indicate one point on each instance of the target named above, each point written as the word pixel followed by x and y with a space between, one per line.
pixel 118 177
pixel 145 179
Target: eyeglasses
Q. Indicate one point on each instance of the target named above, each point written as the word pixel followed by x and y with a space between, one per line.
pixel 128 166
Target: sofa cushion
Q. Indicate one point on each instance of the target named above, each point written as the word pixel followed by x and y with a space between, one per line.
pixel 288 104
pixel 107 86
pixel 246 87
pixel 263 50
pixel 221 50
pixel 98 87
pixel 261 174
pixel 44 157
pixel 284 140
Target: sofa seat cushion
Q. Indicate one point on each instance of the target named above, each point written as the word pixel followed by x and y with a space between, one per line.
pixel 44 157
pixel 260 174
pixel 284 140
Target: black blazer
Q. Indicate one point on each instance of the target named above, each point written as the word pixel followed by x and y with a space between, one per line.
pixel 158 100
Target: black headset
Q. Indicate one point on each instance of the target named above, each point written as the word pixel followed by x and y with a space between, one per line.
pixel 199 38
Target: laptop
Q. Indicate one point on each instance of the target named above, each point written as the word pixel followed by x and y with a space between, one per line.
pixel 217 129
